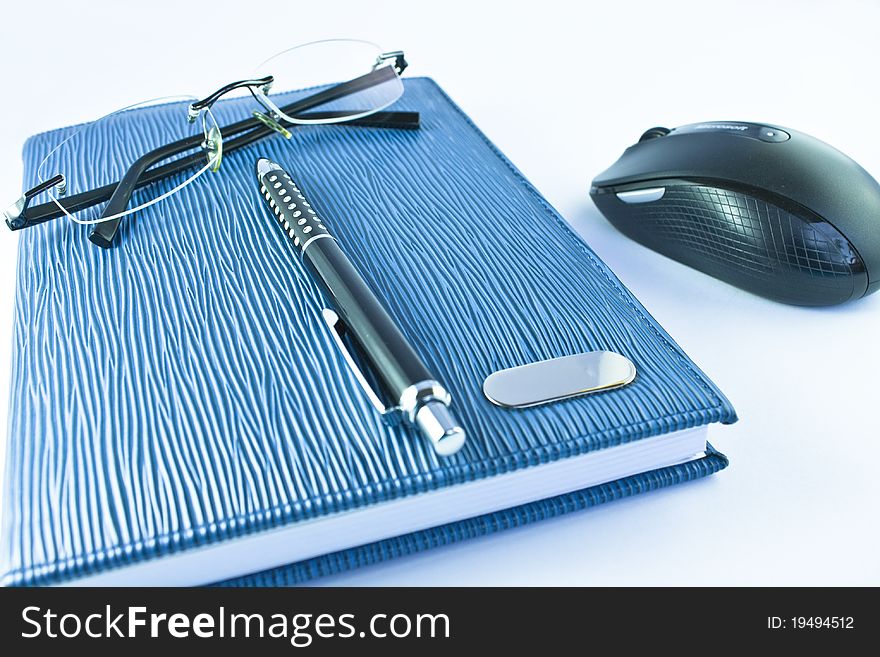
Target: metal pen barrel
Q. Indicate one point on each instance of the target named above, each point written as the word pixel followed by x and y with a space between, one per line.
pixel 423 401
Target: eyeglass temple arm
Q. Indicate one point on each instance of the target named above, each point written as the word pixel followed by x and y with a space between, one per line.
pixel 19 215
pixel 103 233
pixel 33 216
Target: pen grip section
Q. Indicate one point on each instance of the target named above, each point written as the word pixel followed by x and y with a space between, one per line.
pixel 294 213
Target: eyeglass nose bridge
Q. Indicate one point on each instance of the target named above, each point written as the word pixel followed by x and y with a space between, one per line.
pixel 195 109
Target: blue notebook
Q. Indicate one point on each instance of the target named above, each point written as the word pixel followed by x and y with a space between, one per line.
pixel 180 413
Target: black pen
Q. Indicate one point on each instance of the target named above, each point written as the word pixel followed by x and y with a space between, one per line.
pixel 424 402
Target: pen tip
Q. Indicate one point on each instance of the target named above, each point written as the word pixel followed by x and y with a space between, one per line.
pixel 264 166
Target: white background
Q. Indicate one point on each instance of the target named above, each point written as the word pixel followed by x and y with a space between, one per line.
pixel 563 88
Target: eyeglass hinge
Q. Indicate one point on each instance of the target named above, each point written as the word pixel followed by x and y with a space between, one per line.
pixel 400 62
pixel 13 214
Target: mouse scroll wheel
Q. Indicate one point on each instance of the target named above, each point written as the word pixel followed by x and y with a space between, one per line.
pixel 653 133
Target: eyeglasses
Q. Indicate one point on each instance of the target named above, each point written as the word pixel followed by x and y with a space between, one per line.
pixel 355 81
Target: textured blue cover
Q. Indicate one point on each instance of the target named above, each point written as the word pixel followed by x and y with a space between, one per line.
pixel 181 388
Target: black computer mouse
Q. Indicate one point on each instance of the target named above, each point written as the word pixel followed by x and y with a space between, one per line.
pixel 765 208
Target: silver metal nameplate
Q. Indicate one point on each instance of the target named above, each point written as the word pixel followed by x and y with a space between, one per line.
pixel 558 378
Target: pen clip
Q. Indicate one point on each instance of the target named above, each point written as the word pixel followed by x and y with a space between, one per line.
pixel 391 414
